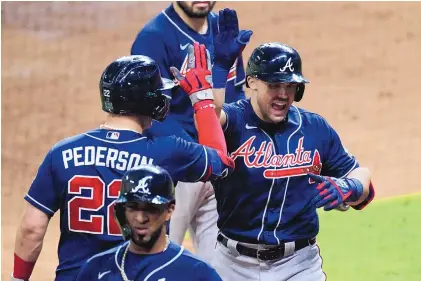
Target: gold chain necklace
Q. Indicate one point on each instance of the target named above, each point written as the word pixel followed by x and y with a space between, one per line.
pixel 123 260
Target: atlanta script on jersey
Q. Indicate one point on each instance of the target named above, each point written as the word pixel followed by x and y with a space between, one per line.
pixel 270 186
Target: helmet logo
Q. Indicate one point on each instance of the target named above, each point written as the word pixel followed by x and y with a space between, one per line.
pixel 288 65
pixel 142 186
pixel 106 93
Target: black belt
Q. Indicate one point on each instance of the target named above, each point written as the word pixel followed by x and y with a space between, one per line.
pixel 273 253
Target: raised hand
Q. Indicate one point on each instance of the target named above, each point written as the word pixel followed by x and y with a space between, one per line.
pixel 197 82
pixel 229 41
pixel 332 192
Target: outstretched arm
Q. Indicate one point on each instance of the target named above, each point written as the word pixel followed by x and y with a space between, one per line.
pixel 197 84
pixel 229 42
pixel 29 238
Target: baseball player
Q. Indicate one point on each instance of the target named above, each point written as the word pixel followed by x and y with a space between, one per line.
pixel 80 176
pixel 289 162
pixel 168 35
pixel 145 204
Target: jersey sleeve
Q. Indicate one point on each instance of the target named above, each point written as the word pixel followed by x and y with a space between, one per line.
pixel 339 162
pixel 149 43
pixel 234 90
pixel 203 272
pixel 231 112
pixel 191 162
pixel 43 194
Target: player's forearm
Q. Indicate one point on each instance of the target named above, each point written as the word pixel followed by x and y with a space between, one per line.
pixel 364 176
pixel 28 243
pixel 219 100
pixel 29 240
pixel 205 119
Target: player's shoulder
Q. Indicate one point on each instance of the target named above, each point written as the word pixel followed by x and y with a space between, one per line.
pixel 102 257
pixel 240 105
pixel 70 141
pixel 308 117
pixel 164 141
pixel 155 26
pixel 160 24
pixel 188 259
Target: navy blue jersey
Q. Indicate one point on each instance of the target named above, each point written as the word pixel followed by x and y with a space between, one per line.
pixel 174 264
pixel 81 175
pixel 165 39
pixel 270 186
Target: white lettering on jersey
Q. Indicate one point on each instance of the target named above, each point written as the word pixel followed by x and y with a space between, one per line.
pixel 103 157
pixel 278 166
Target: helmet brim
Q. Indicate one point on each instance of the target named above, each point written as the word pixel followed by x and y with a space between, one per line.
pixel 146 198
pixel 282 78
pixel 167 84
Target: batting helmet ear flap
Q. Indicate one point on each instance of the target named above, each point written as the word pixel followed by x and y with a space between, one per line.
pixel 120 217
pixel 300 92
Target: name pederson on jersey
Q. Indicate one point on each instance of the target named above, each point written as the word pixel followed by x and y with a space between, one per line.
pixel 81 175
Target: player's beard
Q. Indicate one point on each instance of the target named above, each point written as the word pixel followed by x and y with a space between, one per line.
pixel 147 241
pixel 188 10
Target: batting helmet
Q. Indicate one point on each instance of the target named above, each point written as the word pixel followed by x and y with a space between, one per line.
pixel 133 85
pixel 277 63
pixel 146 183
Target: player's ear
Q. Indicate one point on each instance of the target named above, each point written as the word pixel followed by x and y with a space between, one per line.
pixel 170 210
pixel 251 82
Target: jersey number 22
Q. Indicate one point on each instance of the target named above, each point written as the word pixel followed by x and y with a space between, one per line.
pixel 96 201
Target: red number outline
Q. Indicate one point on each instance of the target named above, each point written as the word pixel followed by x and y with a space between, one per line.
pixel 113 191
pixel 74 220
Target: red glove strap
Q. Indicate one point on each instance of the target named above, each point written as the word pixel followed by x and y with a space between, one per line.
pixel 22 269
pixel 209 128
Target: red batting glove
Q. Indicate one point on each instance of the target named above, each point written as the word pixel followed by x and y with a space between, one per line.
pixel 197 82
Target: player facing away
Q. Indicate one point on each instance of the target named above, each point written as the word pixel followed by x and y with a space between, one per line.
pixel 168 36
pixel 142 210
pixel 81 175
pixel 289 162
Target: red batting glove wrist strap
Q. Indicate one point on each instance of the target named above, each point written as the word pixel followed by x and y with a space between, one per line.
pixel 22 269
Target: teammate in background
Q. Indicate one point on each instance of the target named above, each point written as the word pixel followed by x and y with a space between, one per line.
pixel 145 205
pixel 289 162
pixel 167 36
pixel 81 175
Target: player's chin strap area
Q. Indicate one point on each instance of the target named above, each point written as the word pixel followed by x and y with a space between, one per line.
pixel 264 252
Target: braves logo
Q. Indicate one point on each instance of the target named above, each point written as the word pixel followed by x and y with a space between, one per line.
pixel 288 65
pixel 142 186
pixel 279 166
